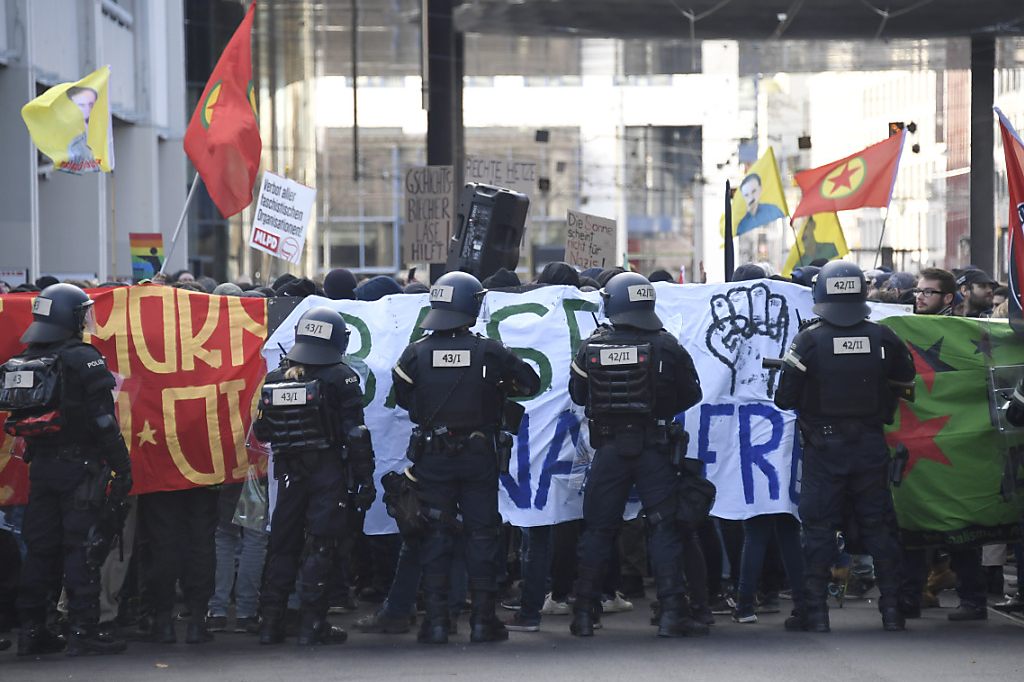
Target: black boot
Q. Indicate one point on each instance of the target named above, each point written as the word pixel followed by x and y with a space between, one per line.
pixel 196 632
pixel 435 625
pixel 314 628
pixel 36 639
pixel 272 627
pixel 586 611
pixel 676 621
pixel 484 626
pixel 584 617
pixel 163 629
pixel 815 594
pixel 87 640
pixel 893 619
pixel 816 619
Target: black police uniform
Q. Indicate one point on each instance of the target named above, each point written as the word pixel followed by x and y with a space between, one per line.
pixel 630 399
pixel 69 472
pixel 454 383
pixel 841 381
pixel 320 447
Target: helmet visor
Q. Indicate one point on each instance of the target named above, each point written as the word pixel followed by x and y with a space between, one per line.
pixel 88 313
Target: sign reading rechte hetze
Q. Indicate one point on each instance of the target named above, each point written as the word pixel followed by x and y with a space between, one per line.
pixel 282 212
pixel 589 240
pixel 429 197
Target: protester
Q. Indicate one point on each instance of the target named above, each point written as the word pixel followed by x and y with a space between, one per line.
pixel 977 289
pixel 340 284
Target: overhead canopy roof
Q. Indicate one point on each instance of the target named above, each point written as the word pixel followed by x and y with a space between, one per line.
pixel 744 19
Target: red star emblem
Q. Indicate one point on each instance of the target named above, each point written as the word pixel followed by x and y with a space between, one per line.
pixel 843 179
pixel 919 437
pixel 927 362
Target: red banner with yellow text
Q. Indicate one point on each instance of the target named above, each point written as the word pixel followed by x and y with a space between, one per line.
pixel 187 365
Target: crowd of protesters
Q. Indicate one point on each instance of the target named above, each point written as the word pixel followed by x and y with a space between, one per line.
pixel 185 556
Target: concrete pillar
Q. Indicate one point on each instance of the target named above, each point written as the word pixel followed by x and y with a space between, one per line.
pixel 983 223
pixel 19 220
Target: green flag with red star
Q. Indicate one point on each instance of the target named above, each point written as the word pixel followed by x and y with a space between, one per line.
pixel 953 481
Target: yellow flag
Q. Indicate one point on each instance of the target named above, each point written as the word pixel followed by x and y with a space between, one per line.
pixel 820 237
pixel 70 123
pixel 758 199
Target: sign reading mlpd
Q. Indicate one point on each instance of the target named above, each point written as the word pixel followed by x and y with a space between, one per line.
pixel 589 240
pixel 282 212
pixel 429 199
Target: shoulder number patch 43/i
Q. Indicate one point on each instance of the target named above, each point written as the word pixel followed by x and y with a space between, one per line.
pixel 451 358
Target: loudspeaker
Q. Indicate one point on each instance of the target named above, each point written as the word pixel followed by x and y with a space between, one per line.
pixel 489 226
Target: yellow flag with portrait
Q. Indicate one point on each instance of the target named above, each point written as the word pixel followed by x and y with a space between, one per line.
pixel 70 123
pixel 759 200
pixel 820 237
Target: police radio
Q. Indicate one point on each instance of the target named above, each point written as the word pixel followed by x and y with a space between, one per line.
pixel 489 228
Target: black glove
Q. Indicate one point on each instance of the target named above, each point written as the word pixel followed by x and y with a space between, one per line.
pixel 363 496
pixel 120 485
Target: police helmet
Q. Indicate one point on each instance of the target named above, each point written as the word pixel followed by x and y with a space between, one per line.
pixel 840 294
pixel 321 337
pixel 59 312
pixel 629 300
pixel 454 302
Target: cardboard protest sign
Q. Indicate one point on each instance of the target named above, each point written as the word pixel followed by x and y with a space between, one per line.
pixel 589 240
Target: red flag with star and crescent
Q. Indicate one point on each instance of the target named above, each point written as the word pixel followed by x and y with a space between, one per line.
pixel 862 179
pixel 1013 150
pixel 223 138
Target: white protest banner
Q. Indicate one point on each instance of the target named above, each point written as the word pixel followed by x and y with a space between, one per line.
pixel 589 240
pixel 744 441
pixel 282 212
pixel 429 198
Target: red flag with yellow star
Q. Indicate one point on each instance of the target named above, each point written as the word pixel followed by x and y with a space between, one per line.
pixel 223 137
pixel 862 179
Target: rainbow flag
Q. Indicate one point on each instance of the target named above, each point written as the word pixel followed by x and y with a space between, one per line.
pixel 147 253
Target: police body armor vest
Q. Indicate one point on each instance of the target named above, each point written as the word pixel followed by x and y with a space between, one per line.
pixel 621 379
pixel 297 417
pixel 30 389
pixel 850 379
pixel 450 387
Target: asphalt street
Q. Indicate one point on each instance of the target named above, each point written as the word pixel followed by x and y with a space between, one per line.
pixel 932 649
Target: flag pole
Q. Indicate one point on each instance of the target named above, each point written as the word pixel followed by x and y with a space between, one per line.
pixel 881 236
pixel 796 244
pixel 196 181
pixel 730 258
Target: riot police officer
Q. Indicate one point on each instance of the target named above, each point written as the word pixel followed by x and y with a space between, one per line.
pixel 844 376
pixel 454 385
pixel 311 413
pixel 633 378
pixel 59 394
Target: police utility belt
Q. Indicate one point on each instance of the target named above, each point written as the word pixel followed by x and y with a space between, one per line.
pixel 818 432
